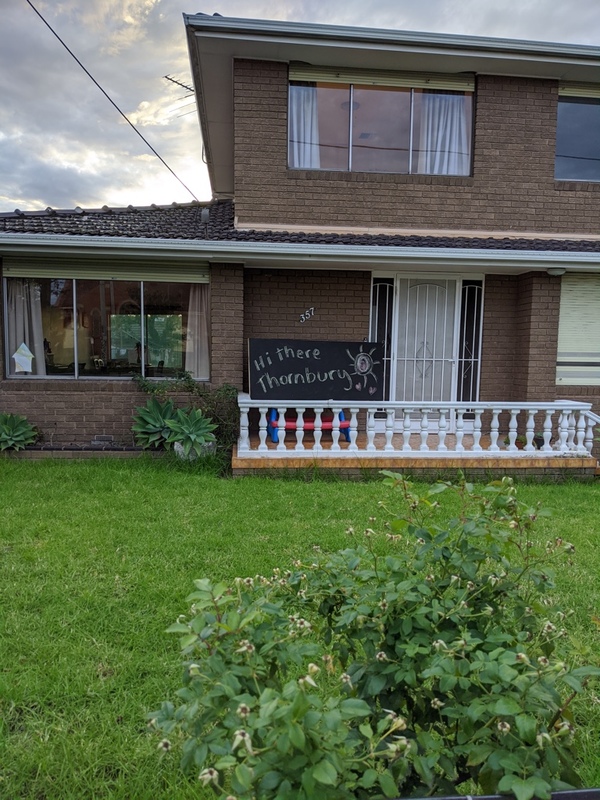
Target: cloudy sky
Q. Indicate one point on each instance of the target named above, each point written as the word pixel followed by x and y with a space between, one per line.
pixel 63 145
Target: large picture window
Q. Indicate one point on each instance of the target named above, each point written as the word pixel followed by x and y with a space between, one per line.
pixel 577 140
pixel 81 328
pixel 376 128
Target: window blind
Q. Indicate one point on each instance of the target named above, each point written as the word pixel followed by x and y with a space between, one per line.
pixel 107 269
pixel 579 89
pixel 412 80
pixel 578 359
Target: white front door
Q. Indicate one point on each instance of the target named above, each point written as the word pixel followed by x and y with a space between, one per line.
pixel 426 351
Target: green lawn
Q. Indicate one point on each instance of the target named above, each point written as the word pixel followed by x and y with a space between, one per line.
pixel 97 560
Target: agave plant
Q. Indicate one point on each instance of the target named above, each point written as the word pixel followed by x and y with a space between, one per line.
pixel 15 432
pixel 192 430
pixel 150 423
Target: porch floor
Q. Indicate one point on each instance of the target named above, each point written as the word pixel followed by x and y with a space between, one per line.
pixel 426 464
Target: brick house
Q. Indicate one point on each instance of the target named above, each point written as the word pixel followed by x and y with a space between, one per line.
pixel 436 194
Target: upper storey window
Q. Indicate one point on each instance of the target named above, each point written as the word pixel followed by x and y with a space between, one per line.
pixel 403 128
pixel 577 141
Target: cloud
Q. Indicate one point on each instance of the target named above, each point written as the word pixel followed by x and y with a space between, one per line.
pixel 63 144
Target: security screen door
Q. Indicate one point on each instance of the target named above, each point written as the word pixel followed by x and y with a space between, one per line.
pixel 430 329
pixel 426 342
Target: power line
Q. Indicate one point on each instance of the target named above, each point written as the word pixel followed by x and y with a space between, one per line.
pixel 110 100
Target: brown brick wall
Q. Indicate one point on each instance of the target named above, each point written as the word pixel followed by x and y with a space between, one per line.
pixel 520 334
pixel 276 299
pixel 70 411
pixel 512 187
pixel 227 324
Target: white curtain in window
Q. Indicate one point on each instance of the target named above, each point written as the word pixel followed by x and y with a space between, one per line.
pixel 24 308
pixel 304 128
pixel 444 147
pixel 197 340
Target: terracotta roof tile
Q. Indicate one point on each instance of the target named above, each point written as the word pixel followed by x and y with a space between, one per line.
pixel 185 221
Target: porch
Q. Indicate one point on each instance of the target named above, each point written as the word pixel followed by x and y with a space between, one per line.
pixel 545 441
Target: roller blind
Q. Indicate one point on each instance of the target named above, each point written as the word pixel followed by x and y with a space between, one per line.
pixel 579 89
pixel 413 80
pixel 578 360
pixel 107 269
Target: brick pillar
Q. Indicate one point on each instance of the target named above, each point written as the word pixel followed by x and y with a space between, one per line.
pixel 227 324
pixel 538 306
pixel 499 340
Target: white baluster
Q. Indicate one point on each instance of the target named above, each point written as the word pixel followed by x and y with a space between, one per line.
pixel 563 432
pixel 477 431
pixel 318 428
pixel 335 431
pixel 512 429
pixel 262 428
pixel 406 424
pixel 494 430
pixel 281 428
pixel 371 429
pixel 530 429
pixel 580 432
pixel 244 442
pixel 390 416
pixel 443 428
pixel 572 428
pixel 300 429
pixel 589 435
pixel 424 429
pixel 547 431
pixel 460 429
pixel 353 429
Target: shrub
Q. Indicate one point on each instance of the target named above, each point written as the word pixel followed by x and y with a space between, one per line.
pixel 16 432
pixel 191 429
pixel 150 423
pixel 219 404
pixel 403 665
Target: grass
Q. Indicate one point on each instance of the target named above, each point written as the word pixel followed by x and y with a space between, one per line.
pixel 97 560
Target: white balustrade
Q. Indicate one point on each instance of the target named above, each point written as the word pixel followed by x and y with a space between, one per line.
pixel 404 430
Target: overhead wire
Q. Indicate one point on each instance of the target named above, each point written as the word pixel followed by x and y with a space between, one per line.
pixel 111 101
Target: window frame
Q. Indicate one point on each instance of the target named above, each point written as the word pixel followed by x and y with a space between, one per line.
pixel 15 270
pixel 570 94
pixel 303 75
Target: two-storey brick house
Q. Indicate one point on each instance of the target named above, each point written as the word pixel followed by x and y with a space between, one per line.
pixel 438 194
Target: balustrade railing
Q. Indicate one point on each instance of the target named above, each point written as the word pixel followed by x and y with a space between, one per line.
pixel 490 429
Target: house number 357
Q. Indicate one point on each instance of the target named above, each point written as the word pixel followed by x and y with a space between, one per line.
pixel 310 312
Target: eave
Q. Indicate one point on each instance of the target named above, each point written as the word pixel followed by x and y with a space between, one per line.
pixel 214 43
pixel 302 256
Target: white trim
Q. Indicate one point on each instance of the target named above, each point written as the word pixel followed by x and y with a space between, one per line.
pixel 375 77
pixel 303 255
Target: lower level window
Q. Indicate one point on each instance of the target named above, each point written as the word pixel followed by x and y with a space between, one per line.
pixel 106 328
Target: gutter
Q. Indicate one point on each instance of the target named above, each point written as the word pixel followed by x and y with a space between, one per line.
pixel 284 31
pixel 295 255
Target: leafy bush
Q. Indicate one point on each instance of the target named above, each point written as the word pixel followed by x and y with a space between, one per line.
pixel 219 404
pixel 150 423
pixel 16 432
pixel 403 665
pixel 191 429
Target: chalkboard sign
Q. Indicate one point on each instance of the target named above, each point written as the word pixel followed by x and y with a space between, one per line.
pixel 293 369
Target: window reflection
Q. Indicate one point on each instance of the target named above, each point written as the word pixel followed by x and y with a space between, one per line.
pixel 96 328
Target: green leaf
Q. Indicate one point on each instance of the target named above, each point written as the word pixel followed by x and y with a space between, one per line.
pixel 388 784
pixel 296 734
pixel 242 779
pixel 478 754
pixel 325 773
pixel 527 728
pixel 368 779
pixel 525 789
pixel 353 707
pixel 506 706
